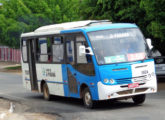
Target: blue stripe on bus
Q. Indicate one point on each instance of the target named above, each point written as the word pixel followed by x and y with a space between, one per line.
pixel 27 79
pixel 53 82
pixel 110 26
pixel 101 27
pixel 49 81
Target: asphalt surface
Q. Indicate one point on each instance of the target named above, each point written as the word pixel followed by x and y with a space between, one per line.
pixel 72 109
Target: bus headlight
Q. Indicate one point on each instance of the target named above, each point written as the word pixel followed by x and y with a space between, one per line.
pixel 106 81
pixel 111 81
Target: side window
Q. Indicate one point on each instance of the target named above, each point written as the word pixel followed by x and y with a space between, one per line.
pixel 84 62
pixel 58 49
pixel 70 50
pixel 83 58
pixel 80 40
pixel 43 46
pixel 24 50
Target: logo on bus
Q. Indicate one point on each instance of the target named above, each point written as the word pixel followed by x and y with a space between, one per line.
pixel 48 73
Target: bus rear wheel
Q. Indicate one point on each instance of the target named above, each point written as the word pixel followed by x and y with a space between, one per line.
pixel 139 99
pixel 87 98
pixel 46 93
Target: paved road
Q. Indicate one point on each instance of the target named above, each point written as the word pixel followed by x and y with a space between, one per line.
pixel 72 109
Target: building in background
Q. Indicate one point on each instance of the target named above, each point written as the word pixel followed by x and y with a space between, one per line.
pixel 10 54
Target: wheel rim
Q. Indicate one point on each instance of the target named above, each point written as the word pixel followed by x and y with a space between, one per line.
pixel 87 98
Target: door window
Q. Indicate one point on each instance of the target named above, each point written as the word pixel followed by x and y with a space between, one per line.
pixel 84 62
pixel 81 63
pixel 24 50
pixel 70 50
pixel 44 50
pixel 58 49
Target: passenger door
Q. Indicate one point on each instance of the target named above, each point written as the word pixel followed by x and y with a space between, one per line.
pixel 70 59
pixel 80 69
pixel 31 62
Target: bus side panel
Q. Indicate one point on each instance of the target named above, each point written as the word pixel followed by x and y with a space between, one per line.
pixel 65 79
pixel 90 81
pixel 26 76
pixel 52 74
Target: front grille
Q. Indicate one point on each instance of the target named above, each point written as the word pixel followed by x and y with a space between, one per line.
pixel 140 78
pixel 123 81
pixel 125 92
pixel 131 80
pixel 137 90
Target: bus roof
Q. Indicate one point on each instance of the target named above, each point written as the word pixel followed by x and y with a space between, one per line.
pixel 102 27
pixel 88 25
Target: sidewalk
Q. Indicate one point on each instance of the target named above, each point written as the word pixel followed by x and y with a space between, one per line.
pixel 4 65
pixel 12 110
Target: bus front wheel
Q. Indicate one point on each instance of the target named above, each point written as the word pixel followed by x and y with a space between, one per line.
pixel 46 93
pixel 139 99
pixel 87 98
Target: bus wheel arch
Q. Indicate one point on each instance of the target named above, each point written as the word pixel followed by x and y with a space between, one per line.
pixel 82 88
pixel 85 94
pixel 41 85
pixel 45 90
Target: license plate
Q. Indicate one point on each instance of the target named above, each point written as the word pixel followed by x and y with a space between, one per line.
pixel 133 85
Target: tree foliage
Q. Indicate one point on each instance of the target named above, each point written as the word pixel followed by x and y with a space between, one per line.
pixel 18 16
pixel 149 15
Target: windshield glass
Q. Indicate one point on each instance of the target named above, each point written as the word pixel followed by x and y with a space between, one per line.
pixel 118 45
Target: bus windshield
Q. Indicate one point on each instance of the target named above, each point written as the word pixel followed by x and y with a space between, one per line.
pixel 118 45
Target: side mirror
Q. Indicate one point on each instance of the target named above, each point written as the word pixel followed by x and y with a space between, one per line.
pixel 148 40
pixel 89 51
pixel 85 51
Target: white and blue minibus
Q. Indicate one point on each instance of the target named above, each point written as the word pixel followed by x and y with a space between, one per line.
pixel 93 60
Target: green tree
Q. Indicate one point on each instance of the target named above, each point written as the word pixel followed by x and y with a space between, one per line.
pixel 149 15
pixel 155 14
pixel 2 29
pixel 19 16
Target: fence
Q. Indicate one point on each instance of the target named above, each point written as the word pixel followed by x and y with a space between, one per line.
pixel 10 54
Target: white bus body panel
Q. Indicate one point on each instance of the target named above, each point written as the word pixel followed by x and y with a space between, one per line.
pixel 52 74
pixel 26 76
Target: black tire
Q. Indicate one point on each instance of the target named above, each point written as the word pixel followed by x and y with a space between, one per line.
pixel 46 93
pixel 87 99
pixel 139 99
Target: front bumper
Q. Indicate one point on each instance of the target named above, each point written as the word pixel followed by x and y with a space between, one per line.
pixel 117 91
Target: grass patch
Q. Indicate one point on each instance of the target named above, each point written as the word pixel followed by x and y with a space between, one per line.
pixel 13 68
